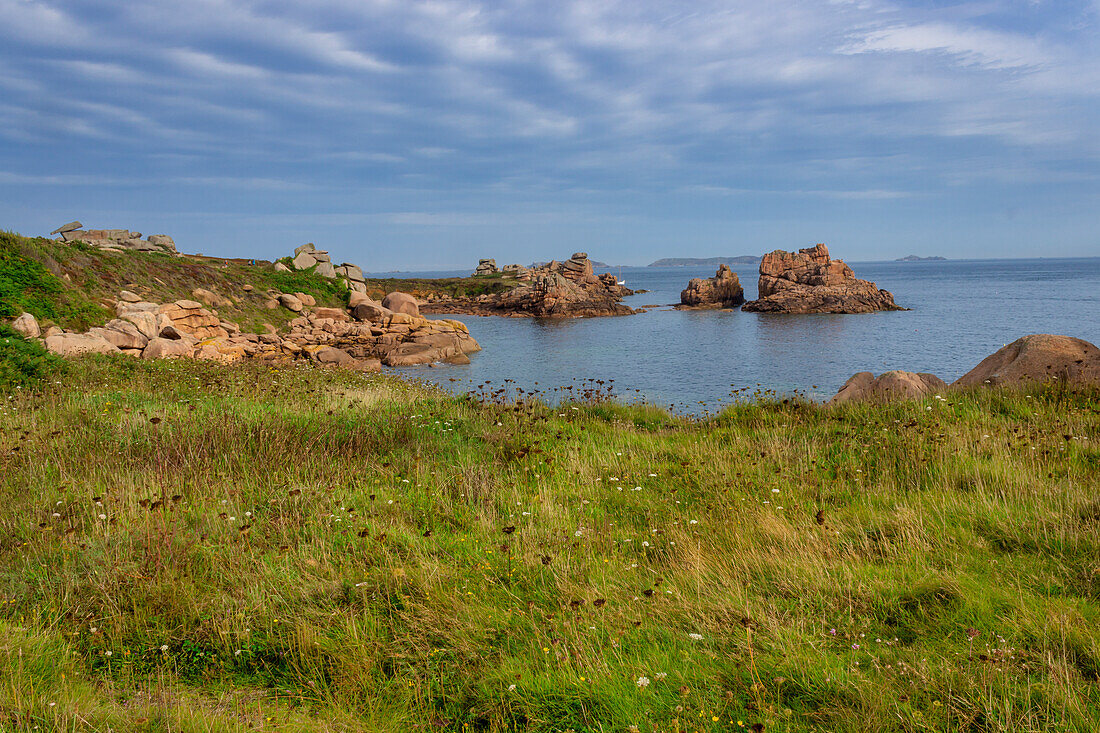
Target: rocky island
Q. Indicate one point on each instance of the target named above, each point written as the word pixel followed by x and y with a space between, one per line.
pixel 808 281
pixel 568 289
pixel 721 291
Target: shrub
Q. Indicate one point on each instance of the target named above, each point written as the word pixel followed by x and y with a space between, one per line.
pixel 23 363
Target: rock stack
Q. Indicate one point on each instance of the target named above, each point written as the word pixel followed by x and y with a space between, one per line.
pixel 516 271
pixel 308 256
pixel 721 291
pixel 808 281
pixel 486 267
pixel 115 240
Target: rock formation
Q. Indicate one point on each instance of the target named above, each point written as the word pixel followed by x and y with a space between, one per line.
pixel 1035 359
pixel 566 289
pixel 809 282
pixel 888 386
pixel 307 256
pixel 721 291
pixel 486 267
pixel 115 240
pixel 371 335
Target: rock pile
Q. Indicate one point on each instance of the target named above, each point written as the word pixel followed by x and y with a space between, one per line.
pixel 486 267
pixel 807 281
pixel 566 289
pixel 308 256
pixel 721 291
pixel 518 271
pixel 115 240
pixel 371 335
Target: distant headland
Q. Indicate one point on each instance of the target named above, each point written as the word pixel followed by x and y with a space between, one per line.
pixel 914 258
pixel 705 261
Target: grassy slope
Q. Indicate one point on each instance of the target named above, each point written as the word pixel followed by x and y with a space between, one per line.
pixel 335 552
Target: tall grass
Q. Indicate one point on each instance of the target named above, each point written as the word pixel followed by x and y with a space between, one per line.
pixel 185 546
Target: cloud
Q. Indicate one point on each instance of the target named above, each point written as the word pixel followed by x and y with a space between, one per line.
pixel 406 100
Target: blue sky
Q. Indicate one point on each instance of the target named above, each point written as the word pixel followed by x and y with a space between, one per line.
pixel 423 135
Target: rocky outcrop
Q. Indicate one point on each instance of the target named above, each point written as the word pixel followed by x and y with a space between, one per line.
pixel 1035 359
pixel 308 256
pixel 808 281
pixel 566 289
pixel 401 303
pixel 486 267
pixel 514 270
pixel 721 291
pixel 370 335
pixel 115 239
pixel 888 386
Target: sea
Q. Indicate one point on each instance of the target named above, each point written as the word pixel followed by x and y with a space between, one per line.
pixel 695 362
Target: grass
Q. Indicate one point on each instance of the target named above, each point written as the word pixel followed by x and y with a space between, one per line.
pixel 192 547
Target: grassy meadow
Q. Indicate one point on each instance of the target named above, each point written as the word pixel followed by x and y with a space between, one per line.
pixel 193 547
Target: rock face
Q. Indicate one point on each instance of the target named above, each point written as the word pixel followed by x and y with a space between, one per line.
pixel 888 386
pixel 566 289
pixel 1037 358
pixel 721 291
pixel 807 281
pixel 486 267
pixel 115 239
pixel 78 344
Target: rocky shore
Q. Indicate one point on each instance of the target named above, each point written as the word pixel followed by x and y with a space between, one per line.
pixel 568 289
pixel 808 281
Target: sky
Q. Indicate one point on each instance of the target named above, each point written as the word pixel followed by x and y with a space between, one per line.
pixel 423 135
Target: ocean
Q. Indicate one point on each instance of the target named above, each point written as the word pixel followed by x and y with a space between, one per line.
pixel 697 361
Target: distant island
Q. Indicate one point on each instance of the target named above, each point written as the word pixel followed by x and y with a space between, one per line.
pixel 914 258
pixel 705 261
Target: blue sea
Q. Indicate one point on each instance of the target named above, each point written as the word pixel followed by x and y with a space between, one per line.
pixel 696 361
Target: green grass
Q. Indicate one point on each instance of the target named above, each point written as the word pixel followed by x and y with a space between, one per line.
pixel 301 549
pixel 24 363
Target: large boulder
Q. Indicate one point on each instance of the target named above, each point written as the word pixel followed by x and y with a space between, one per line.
pixel 401 303
pixel 122 333
pixel 1037 358
pixel 27 325
pixel 77 344
pixel 325 269
pixel 162 348
pixel 163 241
pixel 72 226
pixel 146 322
pixel 888 386
pixel 369 310
pixel 303 261
pixel 290 302
pixel 808 281
pixel 721 291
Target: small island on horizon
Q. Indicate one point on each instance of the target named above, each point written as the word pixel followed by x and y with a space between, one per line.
pixel 705 261
pixel 915 258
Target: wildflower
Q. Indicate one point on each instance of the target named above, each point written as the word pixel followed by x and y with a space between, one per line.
pixel 578 533
pixel 164 647
pixel 660 676
pixel 696 637
pixel 511 688
pixel 108 653
pixel 642 681
pixel 102 516
pixel 694 521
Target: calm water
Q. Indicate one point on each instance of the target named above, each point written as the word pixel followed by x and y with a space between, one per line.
pixel 962 311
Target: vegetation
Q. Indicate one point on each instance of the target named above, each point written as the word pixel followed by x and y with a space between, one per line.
pixel 24 363
pixel 191 547
pixel 450 287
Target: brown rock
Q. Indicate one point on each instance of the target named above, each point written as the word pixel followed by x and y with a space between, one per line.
pixel 401 303
pixel 307 300
pixel 1035 359
pixel 336 314
pixel 129 297
pixel 77 344
pixel 162 348
pixel 721 291
pixel 290 302
pixel 807 281
pixel 888 386
pixel 123 334
pixel 27 325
